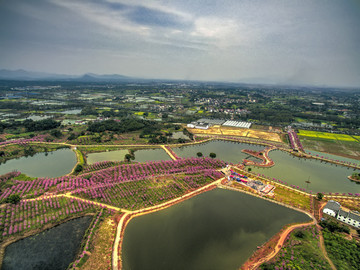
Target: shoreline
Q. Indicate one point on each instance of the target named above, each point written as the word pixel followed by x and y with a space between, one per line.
pixel 353 179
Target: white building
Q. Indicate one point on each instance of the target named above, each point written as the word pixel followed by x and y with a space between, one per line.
pixel 332 208
pixel 351 218
pixel 201 125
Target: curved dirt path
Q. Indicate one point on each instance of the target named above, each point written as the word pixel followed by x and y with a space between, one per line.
pixel 282 239
pixel 321 239
pixel 323 250
pixel 279 244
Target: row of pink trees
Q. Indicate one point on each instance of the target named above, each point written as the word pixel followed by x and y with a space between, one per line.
pixel 28 215
pixel 147 191
pixel 38 138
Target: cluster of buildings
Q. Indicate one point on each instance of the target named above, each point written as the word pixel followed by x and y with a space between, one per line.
pixel 204 123
pixel 333 208
pixel 257 185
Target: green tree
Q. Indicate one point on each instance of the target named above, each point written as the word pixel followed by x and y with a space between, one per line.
pixel 29 151
pixel 319 196
pixel 249 169
pixel 14 199
pixel 199 154
pixel 56 133
pixel 212 155
pixel 72 137
pixel 78 168
pixel 128 157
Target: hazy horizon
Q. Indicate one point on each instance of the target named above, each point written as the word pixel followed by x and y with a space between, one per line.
pixel 298 42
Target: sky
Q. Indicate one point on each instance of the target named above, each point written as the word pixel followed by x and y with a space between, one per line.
pixel 297 42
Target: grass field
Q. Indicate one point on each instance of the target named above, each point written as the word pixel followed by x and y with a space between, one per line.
pixel 292 198
pixel 344 254
pixel 350 149
pixel 328 136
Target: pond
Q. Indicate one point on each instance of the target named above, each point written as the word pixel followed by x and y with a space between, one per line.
pixel 52 249
pixel 218 229
pixel 51 164
pixel 179 135
pixel 145 155
pixel 323 176
pixel 38 117
pixel 117 155
pixel 142 155
pixel 224 150
pixel 73 111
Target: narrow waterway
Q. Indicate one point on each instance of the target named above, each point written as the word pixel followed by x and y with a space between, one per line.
pixel 323 176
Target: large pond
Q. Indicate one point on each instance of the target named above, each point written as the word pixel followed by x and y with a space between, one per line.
pixel 118 155
pixel 52 249
pixel 51 164
pixel 224 150
pixel 323 176
pixel 219 229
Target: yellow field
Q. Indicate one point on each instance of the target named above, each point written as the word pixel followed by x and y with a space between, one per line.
pixel 233 131
pixel 326 135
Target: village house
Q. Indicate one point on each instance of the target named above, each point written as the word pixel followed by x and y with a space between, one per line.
pixel 333 208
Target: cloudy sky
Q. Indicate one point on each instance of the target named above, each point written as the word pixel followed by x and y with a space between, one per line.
pixel 268 41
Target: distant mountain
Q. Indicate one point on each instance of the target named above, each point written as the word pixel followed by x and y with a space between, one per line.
pixel 24 75
pixel 96 77
pixel 21 74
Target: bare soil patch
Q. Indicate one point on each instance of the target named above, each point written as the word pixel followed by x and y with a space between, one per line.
pixel 243 132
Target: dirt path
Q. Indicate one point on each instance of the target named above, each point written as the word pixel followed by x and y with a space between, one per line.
pixel 168 152
pixel 282 240
pixel 279 244
pixel 323 249
pixel 321 239
pixel 115 250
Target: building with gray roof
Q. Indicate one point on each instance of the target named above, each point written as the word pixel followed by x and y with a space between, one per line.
pixel 333 209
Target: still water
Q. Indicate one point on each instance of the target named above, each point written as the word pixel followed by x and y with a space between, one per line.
pixel 145 155
pixel 323 176
pixel 51 164
pixel 224 150
pixel 142 155
pixel 118 155
pixel 218 229
pixel 52 249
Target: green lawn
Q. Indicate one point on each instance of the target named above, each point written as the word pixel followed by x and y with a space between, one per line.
pixel 344 254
